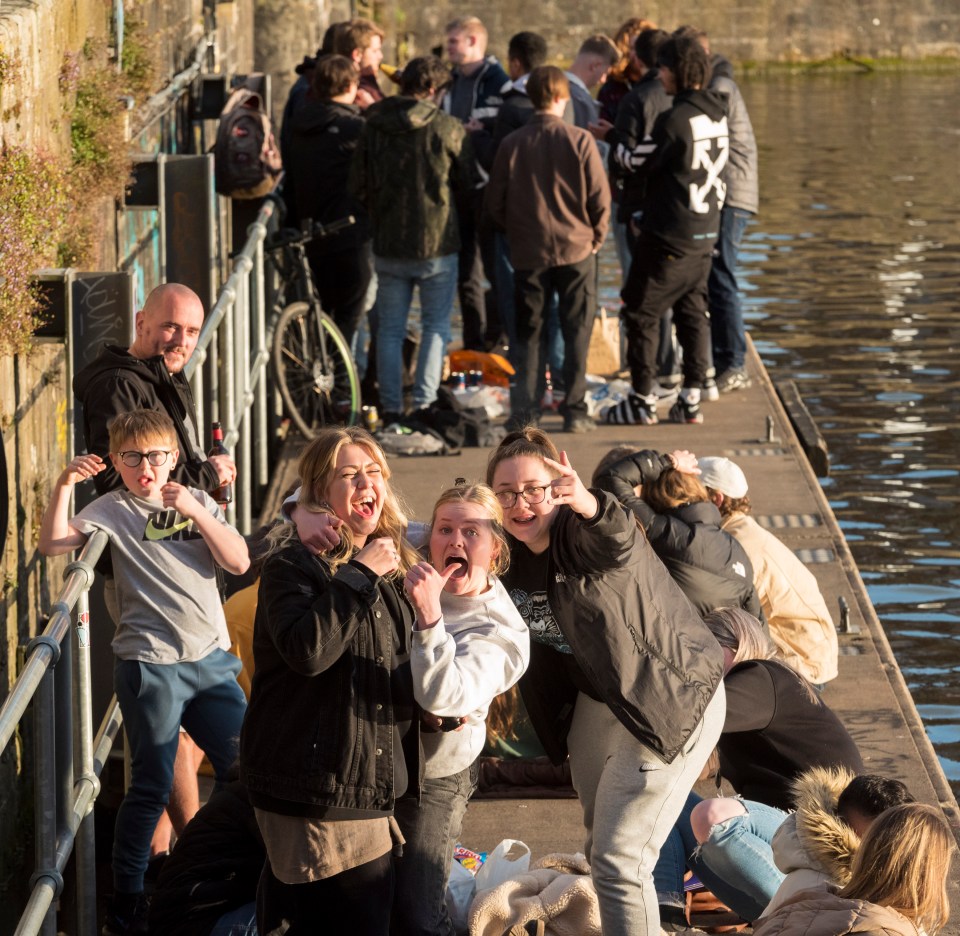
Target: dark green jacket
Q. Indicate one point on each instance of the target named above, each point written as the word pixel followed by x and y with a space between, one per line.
pixel 411 160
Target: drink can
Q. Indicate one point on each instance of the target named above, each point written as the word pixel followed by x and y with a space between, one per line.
pixel 458 380
pixel 475 378
pixel 371 418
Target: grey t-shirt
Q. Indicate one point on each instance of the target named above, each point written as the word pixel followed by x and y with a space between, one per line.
pixel 170 609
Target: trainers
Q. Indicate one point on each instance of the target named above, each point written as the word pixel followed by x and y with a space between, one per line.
pixel 634 410
pixel 734 379
pixel 127 916
pixel 710 390
pixel 579 424
pixel 684 412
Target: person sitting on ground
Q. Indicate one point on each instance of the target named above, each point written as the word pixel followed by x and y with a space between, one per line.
pixel 171 643
pixel 897 887
pixel 469 644
pixel 796 612
pixel 777 727
pixel 683 526
pixel 816 844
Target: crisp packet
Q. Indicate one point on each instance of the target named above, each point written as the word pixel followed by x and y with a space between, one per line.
pixel 470 860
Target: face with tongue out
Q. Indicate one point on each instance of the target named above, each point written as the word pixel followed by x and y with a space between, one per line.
pixel 357 491
pixel 461 535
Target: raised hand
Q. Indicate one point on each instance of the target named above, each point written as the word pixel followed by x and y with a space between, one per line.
pixel 380 556
pixel 423 584
pixel 179 498
pixel 569 489
pixel 81 468
pixel 685 462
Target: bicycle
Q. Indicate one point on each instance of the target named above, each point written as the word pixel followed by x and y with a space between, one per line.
pixel 316 375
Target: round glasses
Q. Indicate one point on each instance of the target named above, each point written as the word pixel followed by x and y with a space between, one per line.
pixel 532 495
pixel 133 459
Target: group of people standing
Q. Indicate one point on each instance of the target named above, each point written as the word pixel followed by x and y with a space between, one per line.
pixel 511 175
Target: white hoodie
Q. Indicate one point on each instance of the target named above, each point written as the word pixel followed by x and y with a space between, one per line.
pixel 479 648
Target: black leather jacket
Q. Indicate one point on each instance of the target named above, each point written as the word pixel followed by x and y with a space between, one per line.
pixel 330 688
pixel 633 633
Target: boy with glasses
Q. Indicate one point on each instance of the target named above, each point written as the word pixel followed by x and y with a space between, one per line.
pixel 171 643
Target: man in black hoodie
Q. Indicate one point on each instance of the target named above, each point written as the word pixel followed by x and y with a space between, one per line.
pixel 680 223
pixel 323 138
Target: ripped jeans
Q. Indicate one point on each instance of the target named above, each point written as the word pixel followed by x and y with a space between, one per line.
pixel 735 863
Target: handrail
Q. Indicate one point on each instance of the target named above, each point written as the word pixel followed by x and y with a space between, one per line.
pixel 55 677
pixel 238 320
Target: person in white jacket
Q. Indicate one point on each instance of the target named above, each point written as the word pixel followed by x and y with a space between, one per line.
pixel 469 644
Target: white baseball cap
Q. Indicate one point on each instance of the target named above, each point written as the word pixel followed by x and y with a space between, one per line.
pixel 723 475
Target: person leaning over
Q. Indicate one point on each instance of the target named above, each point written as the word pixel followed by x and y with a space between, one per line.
pixel 171 643
pixel 548 191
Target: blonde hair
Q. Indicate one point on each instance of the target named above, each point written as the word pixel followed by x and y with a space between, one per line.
pixel 469 26
pixel 674 489
pixel 141 427
pixel 624 38
pixel 502 716
pixel 742 634
pixel 903 862
pixel 316 469
pixel 526 442
pixel 482 495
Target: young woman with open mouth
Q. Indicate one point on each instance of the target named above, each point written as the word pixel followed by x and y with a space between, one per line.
pixel 331 738
pixel 469 645
pixel 623 674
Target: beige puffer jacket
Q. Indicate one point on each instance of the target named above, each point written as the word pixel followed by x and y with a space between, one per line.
pixel 797 615
pixel 822 913
pixel 812 846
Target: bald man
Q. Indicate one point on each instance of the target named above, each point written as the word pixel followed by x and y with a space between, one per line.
pixel 149 375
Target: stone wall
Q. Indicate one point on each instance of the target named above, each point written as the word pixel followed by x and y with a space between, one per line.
pixel 744 30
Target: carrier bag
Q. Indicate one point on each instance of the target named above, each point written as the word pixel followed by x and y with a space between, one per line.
pixel 246 157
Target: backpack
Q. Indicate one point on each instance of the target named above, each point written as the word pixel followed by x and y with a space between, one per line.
pixel 245 156
pixel 459 426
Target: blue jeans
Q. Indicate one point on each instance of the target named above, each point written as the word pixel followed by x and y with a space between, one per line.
pixel 155 699
pixel 436 280
pixel 431 829
pixel 726 315
pixel 239 922
pixel 735 863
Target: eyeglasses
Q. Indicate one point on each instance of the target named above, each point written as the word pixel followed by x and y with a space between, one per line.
pixel 133 459
pixel 532 495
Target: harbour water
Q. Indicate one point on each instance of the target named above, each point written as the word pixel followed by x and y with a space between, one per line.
pixel 851 275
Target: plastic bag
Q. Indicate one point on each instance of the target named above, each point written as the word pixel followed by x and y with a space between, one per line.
pixel 510 858
pixel 461 888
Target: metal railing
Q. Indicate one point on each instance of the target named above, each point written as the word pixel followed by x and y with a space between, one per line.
pixel 68 759
pixel 235 338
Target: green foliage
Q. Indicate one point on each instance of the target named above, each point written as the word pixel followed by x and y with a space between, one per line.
pixel 33 193
pixel 138 60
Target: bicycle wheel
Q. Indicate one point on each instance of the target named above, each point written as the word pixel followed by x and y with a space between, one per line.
pixel 313 394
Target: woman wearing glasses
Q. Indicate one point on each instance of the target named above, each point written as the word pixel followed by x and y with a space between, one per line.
pixel 623 676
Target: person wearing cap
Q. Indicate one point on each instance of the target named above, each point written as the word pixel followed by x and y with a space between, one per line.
pixel 796 612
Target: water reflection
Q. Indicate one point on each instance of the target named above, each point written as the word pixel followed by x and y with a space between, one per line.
pixel 851 276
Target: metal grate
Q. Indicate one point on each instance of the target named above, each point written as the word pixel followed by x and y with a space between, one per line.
pixel 757 450
pixel 784 521
pixel 811 556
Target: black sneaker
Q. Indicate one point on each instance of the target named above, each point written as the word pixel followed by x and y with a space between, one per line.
pixel 127 916
pixel 684 412
pixel 734 379
pixel 578 424
pixel 634 410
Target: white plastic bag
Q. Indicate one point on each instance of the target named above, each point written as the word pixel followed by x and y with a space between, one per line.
pixel 510 858
pixel 461 889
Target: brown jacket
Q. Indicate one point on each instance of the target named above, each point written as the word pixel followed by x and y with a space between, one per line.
pixel 549 192
pixel 822 913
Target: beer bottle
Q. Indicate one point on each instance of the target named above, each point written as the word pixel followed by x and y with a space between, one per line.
pixel 223 495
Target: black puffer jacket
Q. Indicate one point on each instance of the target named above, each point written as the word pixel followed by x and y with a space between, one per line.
pixel 214 868
pixel 323 139
pixel 116 382
pixel 331 688
pixel 709 565
pixel 633 633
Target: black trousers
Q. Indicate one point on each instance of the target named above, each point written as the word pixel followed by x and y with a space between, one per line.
pixel 357 901
pixel 477 305
pixel 661 277
pixel 576 288
pixel 342 280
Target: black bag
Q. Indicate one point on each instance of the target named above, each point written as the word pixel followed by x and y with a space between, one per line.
pixel 460 426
